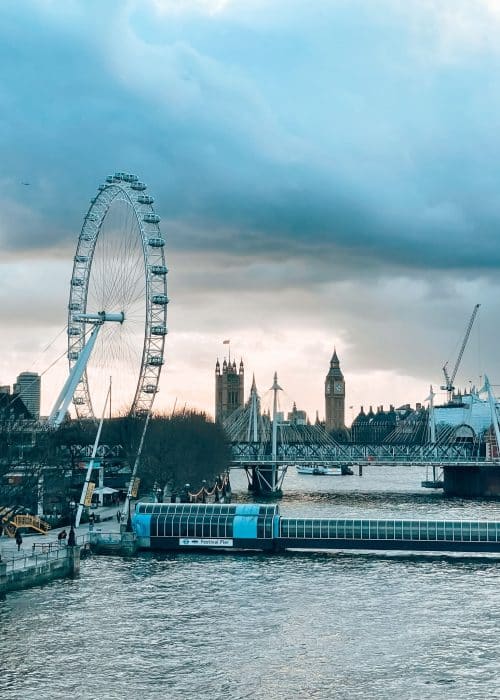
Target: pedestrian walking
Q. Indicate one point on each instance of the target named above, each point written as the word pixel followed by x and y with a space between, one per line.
pixel 62 536
pixel 118 516
pixel 19 540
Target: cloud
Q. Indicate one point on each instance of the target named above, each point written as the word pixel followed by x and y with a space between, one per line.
pixel 346 151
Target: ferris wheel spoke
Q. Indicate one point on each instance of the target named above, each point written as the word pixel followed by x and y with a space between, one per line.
pixel 137 284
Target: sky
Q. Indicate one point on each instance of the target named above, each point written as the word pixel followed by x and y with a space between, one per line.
pixel 327 173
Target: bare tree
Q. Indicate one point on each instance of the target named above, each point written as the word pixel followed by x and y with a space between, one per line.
pixel 185 448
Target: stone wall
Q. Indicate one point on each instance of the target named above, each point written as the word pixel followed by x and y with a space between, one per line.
pixel 38 571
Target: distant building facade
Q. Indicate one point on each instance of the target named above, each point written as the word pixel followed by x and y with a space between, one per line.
pixel 334 396
pixel 12 407
pixel 402 425
pixel 229 389
pixel 296 416
pixel 28 387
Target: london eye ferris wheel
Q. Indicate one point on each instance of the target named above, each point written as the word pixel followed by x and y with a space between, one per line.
pixel 117 311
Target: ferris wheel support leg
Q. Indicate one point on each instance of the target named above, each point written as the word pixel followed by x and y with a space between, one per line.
pixel 63 400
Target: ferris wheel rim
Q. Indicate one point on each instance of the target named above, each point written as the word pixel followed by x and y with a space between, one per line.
pixel 127 188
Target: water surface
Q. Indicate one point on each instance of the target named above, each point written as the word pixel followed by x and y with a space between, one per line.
pixel 314 625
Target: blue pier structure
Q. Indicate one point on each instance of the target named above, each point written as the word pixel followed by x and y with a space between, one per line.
pixel 166 526
pixel 188 526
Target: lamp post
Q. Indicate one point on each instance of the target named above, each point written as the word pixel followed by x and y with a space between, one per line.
pixel 128 526
pixel 72 512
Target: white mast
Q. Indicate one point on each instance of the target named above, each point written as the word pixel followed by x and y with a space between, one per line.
pixel 275 388
pixel 126 505
pixel 432 418
pixel 91 463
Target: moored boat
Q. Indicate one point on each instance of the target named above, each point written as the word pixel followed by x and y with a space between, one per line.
pixel 319 470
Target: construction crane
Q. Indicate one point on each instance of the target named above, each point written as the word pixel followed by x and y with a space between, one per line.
pixel 448 380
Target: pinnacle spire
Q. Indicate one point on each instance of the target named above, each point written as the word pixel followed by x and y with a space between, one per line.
pixel 254 385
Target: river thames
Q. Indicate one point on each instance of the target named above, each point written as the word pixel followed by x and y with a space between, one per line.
pixel 315 625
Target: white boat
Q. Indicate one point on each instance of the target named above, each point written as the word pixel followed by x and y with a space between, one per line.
pixel 319 470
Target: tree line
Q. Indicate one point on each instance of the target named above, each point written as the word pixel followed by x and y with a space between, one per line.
pixel 179 449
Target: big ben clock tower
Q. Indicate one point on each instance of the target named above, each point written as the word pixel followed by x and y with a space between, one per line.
pixel 334 396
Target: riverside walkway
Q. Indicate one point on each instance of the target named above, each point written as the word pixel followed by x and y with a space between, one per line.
pixel 8 546
pixel 43 558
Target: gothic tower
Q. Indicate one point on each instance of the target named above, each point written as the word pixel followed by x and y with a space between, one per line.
pixel 229 389
pixel 334 396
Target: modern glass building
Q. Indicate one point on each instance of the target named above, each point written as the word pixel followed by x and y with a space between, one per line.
pixel 28 385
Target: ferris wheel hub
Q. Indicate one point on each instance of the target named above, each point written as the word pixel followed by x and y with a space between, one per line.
pixel 101 317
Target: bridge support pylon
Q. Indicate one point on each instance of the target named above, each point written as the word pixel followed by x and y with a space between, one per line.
pixel 266 480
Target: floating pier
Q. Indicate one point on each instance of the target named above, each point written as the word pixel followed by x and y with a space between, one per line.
pixel 168 526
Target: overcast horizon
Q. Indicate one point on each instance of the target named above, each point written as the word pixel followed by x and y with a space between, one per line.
pixel 327 175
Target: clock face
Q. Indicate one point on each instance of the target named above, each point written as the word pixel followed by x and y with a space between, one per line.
pixel 338 387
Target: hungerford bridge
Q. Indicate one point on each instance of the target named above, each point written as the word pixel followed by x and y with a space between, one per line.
pixel 264 447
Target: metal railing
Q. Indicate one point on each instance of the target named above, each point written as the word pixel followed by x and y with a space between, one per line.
pixel 41 552
pixel 31 521
pixel 18 562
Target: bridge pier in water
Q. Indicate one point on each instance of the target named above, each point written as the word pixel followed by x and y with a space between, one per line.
pixel 471 481
pixel 266 480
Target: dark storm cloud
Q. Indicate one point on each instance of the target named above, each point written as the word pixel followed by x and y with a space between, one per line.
pixel 342 137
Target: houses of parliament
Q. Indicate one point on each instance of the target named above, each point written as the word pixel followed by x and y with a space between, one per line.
pixel 229 394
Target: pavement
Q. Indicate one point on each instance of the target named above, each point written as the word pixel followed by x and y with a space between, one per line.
pixel 8 546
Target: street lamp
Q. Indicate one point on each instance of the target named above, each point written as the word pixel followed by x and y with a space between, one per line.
pixel 128 527
pixel 72 512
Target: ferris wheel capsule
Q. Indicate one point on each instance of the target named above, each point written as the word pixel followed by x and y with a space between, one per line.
pixel 160 270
